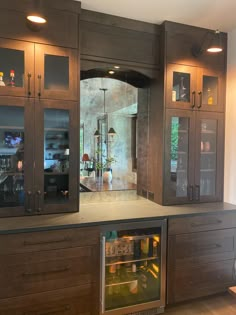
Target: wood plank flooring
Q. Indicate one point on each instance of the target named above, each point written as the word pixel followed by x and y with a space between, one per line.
pixel 224 304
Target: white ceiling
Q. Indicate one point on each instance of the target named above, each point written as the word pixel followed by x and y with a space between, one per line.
pixel 212 14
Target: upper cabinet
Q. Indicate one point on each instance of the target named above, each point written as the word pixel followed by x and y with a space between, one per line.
pixel 35 70
pixel 194 88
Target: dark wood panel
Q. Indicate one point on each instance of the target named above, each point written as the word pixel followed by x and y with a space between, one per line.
pixel 204 247
pixel 220 304
pixel 48 240
pixel 120 44
pixel 202 222
pixel 61 28
pixel 71 301
pixel 202 280
pixel 181 38
pixel 46 271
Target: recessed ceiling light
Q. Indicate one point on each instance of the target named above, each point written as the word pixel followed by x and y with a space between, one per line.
pixel 117 67
pixel 36 19
pixel 111 72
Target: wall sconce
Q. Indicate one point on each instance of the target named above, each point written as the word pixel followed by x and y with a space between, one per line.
pixel 211 43
pixel 35 16
pixel 96 134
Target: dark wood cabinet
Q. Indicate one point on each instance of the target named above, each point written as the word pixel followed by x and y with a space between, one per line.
pixel 193 156
pixel 200 261
pixel 195 88
pixel 50 272
pixel 40 71
pixel 38 156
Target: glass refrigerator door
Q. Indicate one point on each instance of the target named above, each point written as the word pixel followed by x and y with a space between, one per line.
pixel 131 272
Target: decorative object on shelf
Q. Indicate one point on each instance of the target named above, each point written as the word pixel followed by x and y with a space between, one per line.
pixel 107 175
pixel 1 79
pixel 211 43
pixel 85 159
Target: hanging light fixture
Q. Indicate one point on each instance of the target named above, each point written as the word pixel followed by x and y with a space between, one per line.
pixel 215 45
pixel 111 131
pixel 35 13
pixel 211 43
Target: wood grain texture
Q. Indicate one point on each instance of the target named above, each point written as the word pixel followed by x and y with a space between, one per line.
pixel 223 304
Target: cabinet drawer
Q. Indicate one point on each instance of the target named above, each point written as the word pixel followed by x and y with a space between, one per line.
pixel 49 270
pixel 198 223
pixel 72 301
pixel 45 240
pixel 203 247
pixel 202 280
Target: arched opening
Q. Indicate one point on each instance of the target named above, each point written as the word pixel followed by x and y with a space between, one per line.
pixel 110 102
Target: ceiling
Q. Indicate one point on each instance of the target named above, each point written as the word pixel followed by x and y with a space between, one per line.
pixel 212 14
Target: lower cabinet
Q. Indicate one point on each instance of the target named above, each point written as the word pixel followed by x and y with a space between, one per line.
pixel 72 301
pixel 200 263
pixel 50 272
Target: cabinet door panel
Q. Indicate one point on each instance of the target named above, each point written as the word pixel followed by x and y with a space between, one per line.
pixel 56 187
pixel 209 163
pixel 16 153
pixel 204 247
pixel 45 271
pixel 47 240
pixel 56 72
pixel 201 280
pixel 70 301
pixel 212 87
pixel 179 157
pixel 181 86
pixel 17 57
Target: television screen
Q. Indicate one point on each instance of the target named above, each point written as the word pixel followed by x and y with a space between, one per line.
pixel 13 139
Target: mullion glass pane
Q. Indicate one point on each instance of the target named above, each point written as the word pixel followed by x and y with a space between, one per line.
pixel 56 156
pixel 12 61
pixel 179 156
pixel 208 157
pixel 181 87
pixel 11 156
pixel 56 71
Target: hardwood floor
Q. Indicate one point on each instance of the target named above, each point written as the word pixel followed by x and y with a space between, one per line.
pixel 224 304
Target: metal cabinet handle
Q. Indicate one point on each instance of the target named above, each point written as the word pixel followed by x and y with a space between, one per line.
pixel 200 100
pixel 40 82
pixel 29 197
pixel 190 192
pixel 38 195
pixel 214 222
pixel 53 311
pixel 29 89
pixel 41 273
pixel 64 239
pixel 207 247
pixel 193 99
pixel 197 192
pixel 234 270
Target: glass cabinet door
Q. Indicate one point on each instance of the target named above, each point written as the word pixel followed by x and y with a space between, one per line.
pixel 56 72
pixel 15 159
pixel 210 97
pixel 56 179
pixel 132 268
pixel 16 69
pixel 209 179
pixel 179 157
pixel 181 85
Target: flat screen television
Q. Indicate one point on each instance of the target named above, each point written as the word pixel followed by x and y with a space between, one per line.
pixel 13 138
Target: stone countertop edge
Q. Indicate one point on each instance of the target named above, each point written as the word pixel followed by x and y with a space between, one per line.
pixel 94 214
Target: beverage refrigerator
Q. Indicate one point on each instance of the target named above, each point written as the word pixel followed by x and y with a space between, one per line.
pixel 133 268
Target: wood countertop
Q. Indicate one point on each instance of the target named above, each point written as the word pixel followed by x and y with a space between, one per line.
pixel 108 212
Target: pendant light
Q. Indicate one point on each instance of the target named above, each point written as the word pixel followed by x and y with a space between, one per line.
pixel 111 131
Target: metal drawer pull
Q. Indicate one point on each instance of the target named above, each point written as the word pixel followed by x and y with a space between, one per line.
pixel 65 239
pixel 207 247
pixel 56 310
pixel 29 90
pixel 206 223
pixel 26 274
